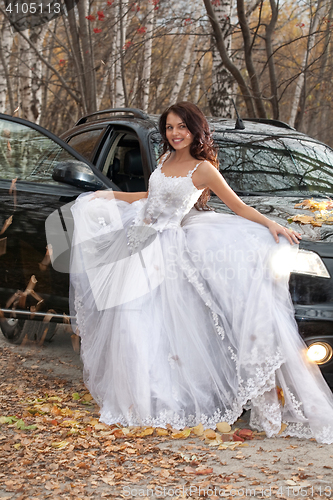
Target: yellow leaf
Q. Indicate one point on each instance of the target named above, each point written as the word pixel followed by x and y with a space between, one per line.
pixel 76 396
pixel 223 427
pixel 181 434
pixel 17 446
pixel 101 427
pixel 213 442
pixel 145 432
pixel 231 445
pixel 198 430
pixel 303 219
pixel 283 427
pixel 93 421
pixel 60 445
pixel 69 423
pixel 126 431
pixel 45 408
pixel 280 395
pixel 87 397
pixel 162 432
pixel 210 434
pixel 66 412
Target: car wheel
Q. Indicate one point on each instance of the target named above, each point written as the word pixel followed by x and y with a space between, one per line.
pixel 15 330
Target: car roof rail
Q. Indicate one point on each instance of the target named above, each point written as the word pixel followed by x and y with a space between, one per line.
pixel 137 113
pixel 267 121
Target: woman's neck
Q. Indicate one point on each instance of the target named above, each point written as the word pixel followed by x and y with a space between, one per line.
pixel 180 156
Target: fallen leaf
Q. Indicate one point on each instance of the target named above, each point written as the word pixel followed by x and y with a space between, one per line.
pixel 210 434
pixel 181 434
pixel 198 430
pixel 223 427
pixel 161 432
pixel 60 445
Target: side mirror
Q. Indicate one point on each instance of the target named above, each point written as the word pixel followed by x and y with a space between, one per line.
pixel 77 174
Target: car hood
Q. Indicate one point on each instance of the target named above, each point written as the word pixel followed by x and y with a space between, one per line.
pixel 280 209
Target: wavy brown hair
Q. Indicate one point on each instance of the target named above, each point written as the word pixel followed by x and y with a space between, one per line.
pixel 202 147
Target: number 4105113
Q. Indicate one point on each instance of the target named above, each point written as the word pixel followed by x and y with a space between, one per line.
pixel 33 8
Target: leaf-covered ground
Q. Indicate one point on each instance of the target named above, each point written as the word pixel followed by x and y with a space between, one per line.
pixel 53 446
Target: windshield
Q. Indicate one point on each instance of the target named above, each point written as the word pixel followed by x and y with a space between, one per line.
pixel 276 165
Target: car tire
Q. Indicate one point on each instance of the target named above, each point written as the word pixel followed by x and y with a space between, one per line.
pixel 15 330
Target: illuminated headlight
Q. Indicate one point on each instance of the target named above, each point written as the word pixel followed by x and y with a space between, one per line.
pixel 308 262
pixel 320 352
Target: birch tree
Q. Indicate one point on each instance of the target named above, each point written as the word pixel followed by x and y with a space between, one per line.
pixel 187 54
pixel 119 69
pixel 6 90
pixel 297 108
pixel 223 83
pixel 147 53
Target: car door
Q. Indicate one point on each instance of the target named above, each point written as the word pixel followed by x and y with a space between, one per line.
pixel 39 173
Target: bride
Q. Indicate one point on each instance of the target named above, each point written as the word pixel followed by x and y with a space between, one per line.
pixel 182 317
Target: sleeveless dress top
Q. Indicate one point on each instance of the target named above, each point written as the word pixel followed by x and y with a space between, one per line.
pixel 184 319
pixel 170 198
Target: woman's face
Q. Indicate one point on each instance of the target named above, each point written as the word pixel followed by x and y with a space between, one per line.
pixel 177 133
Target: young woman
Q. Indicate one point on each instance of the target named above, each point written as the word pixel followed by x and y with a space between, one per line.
pixel 182 315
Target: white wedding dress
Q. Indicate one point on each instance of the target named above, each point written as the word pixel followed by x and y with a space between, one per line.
pixel 184 320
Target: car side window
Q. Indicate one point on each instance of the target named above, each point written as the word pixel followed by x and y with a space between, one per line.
pixel 28 155
pixel 124 162
pixel 86 142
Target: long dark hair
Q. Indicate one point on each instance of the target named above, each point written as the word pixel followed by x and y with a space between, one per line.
pixel 202 147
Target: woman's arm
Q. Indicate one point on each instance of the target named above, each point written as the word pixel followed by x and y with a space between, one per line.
pixel 120 195
pixel 208 176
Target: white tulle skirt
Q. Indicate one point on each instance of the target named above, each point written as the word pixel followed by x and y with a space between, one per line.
pixel 192 324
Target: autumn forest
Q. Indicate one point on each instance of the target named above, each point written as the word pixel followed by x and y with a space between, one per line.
pixel 273 57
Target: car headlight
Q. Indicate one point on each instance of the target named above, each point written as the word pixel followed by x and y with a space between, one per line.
pixel 308 262
pixel 320 352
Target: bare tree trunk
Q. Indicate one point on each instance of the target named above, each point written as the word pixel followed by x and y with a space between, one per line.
pixel 269 51
pixel 317 117
pixel 254 81
pixel 26 104
pixel 147 55
pixel 222 89
pixel 185 58
pixel 37 36
pixel 227 61
pixel 6 91
pixel 88 58
pixel 191 73
pixel 296 114
pixel 107 64
pixel 119 73
pixel 46 74
pixel 74 43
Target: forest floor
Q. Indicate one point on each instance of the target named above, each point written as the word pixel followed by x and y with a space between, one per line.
pixel 52 445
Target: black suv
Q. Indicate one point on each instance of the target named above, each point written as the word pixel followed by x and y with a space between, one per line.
pixel 269 164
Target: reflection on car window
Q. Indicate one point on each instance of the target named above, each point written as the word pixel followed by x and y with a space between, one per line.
pixel 28 155
pixel 85 142
pixel 156 141
pixel 279 165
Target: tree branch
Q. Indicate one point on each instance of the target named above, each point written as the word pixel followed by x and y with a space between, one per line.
pixel 227 61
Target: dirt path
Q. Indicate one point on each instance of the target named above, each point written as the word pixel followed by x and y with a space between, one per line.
pixel 53 447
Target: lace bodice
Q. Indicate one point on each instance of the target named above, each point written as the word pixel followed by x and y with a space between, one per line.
pixel 169 199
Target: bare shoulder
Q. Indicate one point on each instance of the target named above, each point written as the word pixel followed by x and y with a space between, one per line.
pixel 206 166
pixel 205 175
pixel 207 171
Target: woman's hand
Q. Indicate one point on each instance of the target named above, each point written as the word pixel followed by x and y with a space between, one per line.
pixel 108 194
pixel 291 235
